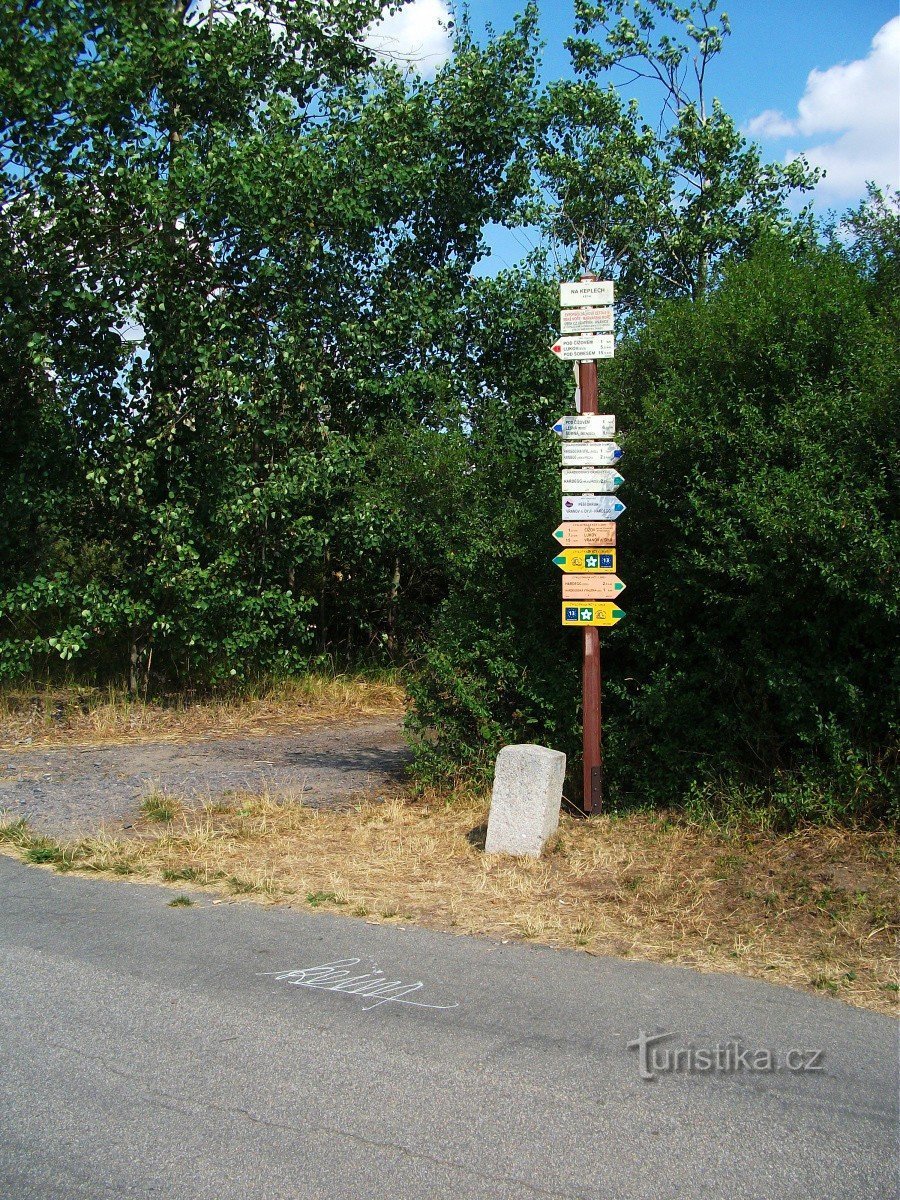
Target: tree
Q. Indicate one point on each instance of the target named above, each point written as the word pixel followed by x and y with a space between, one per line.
pixel 656 204
pixel 283 222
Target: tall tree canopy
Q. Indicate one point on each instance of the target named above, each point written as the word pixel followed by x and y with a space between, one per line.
pixel 231 237
pixel 656 200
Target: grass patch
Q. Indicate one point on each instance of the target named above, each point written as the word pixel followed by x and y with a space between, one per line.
pixel 181 875
pixel 160 807
pixel 181 902
pixel 317 899
pixel 59 716
pixel 815 909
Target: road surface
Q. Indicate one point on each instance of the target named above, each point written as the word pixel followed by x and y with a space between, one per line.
pixel 150 1051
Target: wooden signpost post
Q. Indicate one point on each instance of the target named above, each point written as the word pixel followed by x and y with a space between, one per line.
pixel 589 507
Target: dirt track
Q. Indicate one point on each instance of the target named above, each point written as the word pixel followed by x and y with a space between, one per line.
pixel 72 790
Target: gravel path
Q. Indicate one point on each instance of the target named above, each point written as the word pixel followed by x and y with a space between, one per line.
pixel 73 790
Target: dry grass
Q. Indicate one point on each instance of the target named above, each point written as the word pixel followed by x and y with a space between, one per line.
pixel 814 909
pixel 73 716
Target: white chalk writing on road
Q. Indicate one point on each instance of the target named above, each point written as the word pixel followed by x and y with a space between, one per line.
pixel 338 976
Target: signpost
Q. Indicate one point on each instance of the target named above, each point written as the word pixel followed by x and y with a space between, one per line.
pixel 585 291
pixel 587 426
pixel 592 508
pixel 600 612
pixel 586 533
pixel 590 454
pixel 586 320
pixel 591 587
pixel 588 530
pixel 584 560
pixel 591 479
pixel 581 347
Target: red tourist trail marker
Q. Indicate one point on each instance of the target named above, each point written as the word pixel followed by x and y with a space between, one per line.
pixel 582 347
pixel 591 587
pixel 583 560
pixel 586 533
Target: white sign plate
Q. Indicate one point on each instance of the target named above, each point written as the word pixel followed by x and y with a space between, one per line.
pixel 586 427
pixel 591 479
pixel 586 291
pixel 591 508
pixel 590 454
pixel 585 320
pixel 583 347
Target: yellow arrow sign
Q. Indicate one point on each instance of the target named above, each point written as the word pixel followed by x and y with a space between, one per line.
pixel 585 561
pixel 599 612
pixel 591 587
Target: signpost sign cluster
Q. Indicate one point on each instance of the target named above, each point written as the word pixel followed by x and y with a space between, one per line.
pixel 590 506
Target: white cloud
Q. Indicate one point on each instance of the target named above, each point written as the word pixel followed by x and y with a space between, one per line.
pixel 419 35
pixel 857 102
pixel 771 124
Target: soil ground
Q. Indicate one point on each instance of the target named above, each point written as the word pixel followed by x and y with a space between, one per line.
pixel 70 791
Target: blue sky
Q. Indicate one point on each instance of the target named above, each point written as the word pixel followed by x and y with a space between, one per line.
pixel 820 77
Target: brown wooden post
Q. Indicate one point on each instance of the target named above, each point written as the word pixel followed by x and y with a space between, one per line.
pixel 591 668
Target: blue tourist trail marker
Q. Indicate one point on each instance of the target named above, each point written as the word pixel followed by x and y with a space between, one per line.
pixel 591 454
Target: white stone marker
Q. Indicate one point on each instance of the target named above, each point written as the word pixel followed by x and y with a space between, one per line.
pixel 525 802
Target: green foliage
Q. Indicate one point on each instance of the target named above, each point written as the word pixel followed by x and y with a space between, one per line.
pixel 257 412
pixel 759 655
pixel 655 200
pixel 231 257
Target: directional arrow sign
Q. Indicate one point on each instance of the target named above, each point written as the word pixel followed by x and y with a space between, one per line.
pixel 586 533
pixel 590 454
pixel 591 479
pixel 592 508
pixel 587 291
pixel 585 320
pixel 588 613
pixel 591 587
pixel 585 427
pixel 582 347
pixel 581 561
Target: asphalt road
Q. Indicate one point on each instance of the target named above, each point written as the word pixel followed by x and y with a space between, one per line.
pixel 150 1051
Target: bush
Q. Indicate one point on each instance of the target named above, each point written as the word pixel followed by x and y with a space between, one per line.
pixel 759 549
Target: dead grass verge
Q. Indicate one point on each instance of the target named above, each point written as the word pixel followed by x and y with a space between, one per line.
pixel 86 716
pixel 814 909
